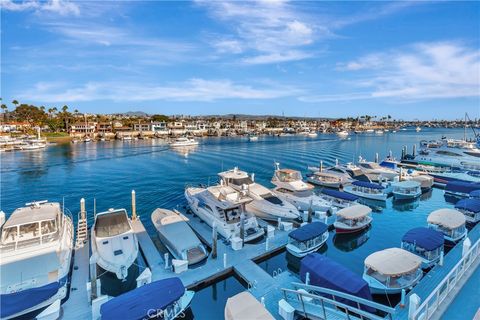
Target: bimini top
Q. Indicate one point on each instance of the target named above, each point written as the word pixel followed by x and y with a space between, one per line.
pixel 234 173
pixel 425 238
pixel 329 274
pixel 245 306
pixel 475 194
pixel 33 214
pixel 462 186
pixel 406 184
pixel 339 195
pixel 448 218
pixel 472 205
pixel 393 262
pixel 136 304
pixel 308 231
pixel 368 185
pixel 357 211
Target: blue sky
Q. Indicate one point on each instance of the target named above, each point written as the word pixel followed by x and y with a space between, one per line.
pixel 412 60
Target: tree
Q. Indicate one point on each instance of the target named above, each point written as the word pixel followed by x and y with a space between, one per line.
pixel 15 102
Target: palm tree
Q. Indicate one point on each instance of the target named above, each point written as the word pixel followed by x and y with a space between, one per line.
pixel 65 108
pixel 15 102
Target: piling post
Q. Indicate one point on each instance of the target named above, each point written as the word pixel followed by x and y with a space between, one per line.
pixel 440 262
pixel 82 209
pixel 134 207
pixel 321 165
pixel 214 241
pixel 224 260
pixel 467 244
pixel 414 302
pixel 307 278
pixel 242 228
pixel 376 157
pixel 402 300
pixel 166 258
pixel 414 150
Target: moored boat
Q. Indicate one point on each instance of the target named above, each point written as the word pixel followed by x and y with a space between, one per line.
pixel 406 190
pixel 474 194
pixel 461 188
pixel 471 210
pixel 450 222
pixel 425 243
pixel 183 142
pixel 342 134
pixel 244 306
pixel 353 219
pixel 307 238
pixel 339 199
pixel 367 190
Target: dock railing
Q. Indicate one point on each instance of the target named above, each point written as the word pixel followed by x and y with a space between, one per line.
pixel 321 302
pixel 438 295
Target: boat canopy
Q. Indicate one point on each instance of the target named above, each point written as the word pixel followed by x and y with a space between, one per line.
pixel 475 194
pixel 406 184
pixel 462 186
pixel 136 304
pixel 245 306
pixel 425 238
pixel 33 214
pixel 308 231
pixel 368 185
pixel 472 205
pixel 326 273
pixel 448 218
pixel 393 262
pixel 354 212
pixel 339 195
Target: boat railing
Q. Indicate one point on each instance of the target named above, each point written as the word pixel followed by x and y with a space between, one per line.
pixel 426 310
pixel 319 302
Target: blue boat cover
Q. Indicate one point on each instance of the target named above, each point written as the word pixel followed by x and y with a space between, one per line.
pixel 425 238
pixel 308 231
pixel 329 274
pixel 13 303
pixel 388 164
pixel 136 304
pixel 475 194
pixel 368 185
pixel 339 194
pixel 462 187
pixel 472 205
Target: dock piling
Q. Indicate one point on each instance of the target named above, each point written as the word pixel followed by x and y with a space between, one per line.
pixel 262 300
pixel 224 260
pixel 166 258
pixel 310 211
pixel 134 207
pixel 466 246
pixel 307 278
pixel 414 302
pixel 321 165
pixel 402 300
pixel 214 241
pixel 440 262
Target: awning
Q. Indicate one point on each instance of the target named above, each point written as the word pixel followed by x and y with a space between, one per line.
pixel 308 231
pixel 339 194
pixel 393 262
pixel 406 184
pixel 425 238
pixel 448 218
pixel 136 304
pixel 368 185
pixel 244 306
pixel 472 205
pixel 357 211
pixel 462 186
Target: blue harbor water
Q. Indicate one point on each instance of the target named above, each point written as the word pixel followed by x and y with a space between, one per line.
pixel 108 171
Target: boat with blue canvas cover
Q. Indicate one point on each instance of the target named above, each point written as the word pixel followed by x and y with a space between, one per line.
pixel 307 238
pixel 470 208
pixel 324 272
pixel 474 194
pixel 165 299
pixel 338 199
pixel 425 243
pixel 461 188
pixel 368 190
pixel 451 223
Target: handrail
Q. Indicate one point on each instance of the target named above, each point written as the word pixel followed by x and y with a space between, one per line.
pixel 457 271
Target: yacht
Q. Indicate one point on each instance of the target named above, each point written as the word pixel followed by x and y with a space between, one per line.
pixel 114 243
pixel 170 225
pixel 342 134
pixel 290 187
pixel 349 169
pixel 225 208
pixel 426 181
pixel 183 142
pixel 307 239
pixel 36 252
pixel 377 172
pixel 312 134
pixel 367 190
pixel 418 129
pixel 451 223
pixel 425 243
pixel 460 188
pixel 266 203
pixel 353 219
pixel 406 190
pixel 243 306
pixel 471 209
pixel 328 178
pixel 391 270
pixel 252 138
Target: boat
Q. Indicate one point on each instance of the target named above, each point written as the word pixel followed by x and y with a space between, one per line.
pixel 127 138
pixel 183 142
pixel 252 138
pixel 342 134
pixel 367 190
pixel 266 203
pixel 328 178
pixel 312 134
pixel 166 299
pixel 349 170
pixel 338 199
pixel 475 194
pixel 425 243
pixel 353 219
pixel 114 243
pixel 470 209
pixel 418 129
pixel 378 131
pixel 406 190
pixel 426 181
pixel 450 222
pixel 36 251
pixel 225 208
pixel 460 188
pixel 324 272
pixel 244 306
pixel 307 239
pixel 377 172
pixel 87 139
pixel 175 233
pixel 392 270
pixel 290 187
pixel 369 131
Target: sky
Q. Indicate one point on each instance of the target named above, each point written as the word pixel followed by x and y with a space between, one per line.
pixel 410 60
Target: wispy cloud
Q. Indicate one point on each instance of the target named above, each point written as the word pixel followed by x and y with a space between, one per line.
pixel 60 7
pixel 422 71
pixel 190 90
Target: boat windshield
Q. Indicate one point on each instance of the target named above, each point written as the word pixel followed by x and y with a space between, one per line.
pixel 242 181
pixel 111 224
pixel 394 281
pixel 271 198
pixel 30 233
pixel 369 165
pixel 289 176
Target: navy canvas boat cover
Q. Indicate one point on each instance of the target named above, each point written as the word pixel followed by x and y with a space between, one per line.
pixel 329 274
pixel 137 303
pixel 308 231
pixel 472 205
pixel 425 238
pixel 475 194
pixel 462 186
pixel 368 185
pixel 339 194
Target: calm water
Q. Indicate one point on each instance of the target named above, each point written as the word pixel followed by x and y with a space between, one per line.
pixel 108 171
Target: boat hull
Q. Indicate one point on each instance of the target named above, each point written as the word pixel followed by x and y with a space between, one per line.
pixel 342 230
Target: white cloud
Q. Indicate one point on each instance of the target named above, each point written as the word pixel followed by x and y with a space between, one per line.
pixel 190 90
pixel 277 57
pixel 60 7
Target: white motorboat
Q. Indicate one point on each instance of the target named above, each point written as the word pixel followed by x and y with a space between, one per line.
pixel 183 142
pixel 328 178
pixel 114 243
pixel 338 199
pixel 406 190
pixel 391 270
pixel 349 169
pixel 36 252
pixel 252 138
pixel 451 223
pixel 290 187
pixel 342 134
pixel 244 306
pixel 307 239
pixel 425 243
pixel 353 219
pixel 377 172
pixel 266 203
pixel 312 134
pixel 426 181
pixel 225 208
pixel 367 190
pixel 378 131
pixel 471 209
pixel 175 233
pixel 418 129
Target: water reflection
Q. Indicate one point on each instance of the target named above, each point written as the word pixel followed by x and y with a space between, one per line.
pixel 426 195
pixel 350 242
pixel 375 205
pixel 406 205
pixel 185 151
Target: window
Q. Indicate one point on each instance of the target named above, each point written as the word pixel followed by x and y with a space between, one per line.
pixel 29 230
pixel 48 227
pixel 242 181
pixel 9 234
